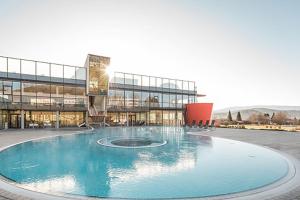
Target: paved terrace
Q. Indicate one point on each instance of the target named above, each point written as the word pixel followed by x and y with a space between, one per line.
pixel 287 142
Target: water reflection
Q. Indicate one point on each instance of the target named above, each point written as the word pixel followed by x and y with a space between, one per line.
pixel 78 165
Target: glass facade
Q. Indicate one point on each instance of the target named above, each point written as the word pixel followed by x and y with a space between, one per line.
pixel 41 89
pixel 98 78
pixel 160 99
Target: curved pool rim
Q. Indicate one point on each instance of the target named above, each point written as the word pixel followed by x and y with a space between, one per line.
pixel 279 187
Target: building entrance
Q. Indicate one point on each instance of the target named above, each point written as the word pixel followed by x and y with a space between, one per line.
pixel 14 121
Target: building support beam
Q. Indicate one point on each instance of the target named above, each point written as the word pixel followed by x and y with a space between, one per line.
pixel 57 119
pixel 87 118
pixel 22 119
pixel 127 118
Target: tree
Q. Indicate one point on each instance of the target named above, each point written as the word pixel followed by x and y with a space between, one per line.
pixel 267 119
pixel 280 118
pixel 258 118
pixel 239 117
pixel 273 115
pixel 295 122
pixel 229 117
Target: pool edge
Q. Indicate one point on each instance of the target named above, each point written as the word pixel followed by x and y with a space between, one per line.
pixel 277 188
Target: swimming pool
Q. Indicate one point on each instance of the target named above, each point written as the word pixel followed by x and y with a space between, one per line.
pixel 182 166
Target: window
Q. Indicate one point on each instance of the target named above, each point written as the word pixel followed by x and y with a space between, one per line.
pixel 80 73
pixel 179 100
pixel 185 85
pixel 152 82
pixel 29 89
pixel 69 91
pixel 28 67
pixel 191 86
pixel 119 78
pixel 155 99
pixel 173 84
pixel 42 69
pixel 185 99
pixel 172 100
pixel 145 100
pixel 179 84
pixel 14 68
pixel 57 71
pixel 119 98
pixel 69 72
pixel 137 80
pixel 57 90
pixel 166 100
pixel 3 67
pixel 166 83
pixel 129 79
pixel 16 88
pixel 137 98
pixel 128 99
pixel 159 82
pixel 43 90
pixel 80 91
pixel 145 81
pixel 191 99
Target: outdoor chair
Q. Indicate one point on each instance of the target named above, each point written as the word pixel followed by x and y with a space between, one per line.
pixel 212 125
pixel 200 125
pixel 206 124
pixel 194 123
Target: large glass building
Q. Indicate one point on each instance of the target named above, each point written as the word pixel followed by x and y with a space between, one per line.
pixel 42 94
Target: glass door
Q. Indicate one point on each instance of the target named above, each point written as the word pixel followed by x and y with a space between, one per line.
pixel 14 121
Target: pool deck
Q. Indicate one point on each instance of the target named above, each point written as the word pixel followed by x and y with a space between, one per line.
pixel 286 142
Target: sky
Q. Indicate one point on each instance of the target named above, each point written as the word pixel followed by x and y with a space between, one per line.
pixel 239 52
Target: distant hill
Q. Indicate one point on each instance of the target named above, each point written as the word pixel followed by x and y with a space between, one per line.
pixel 291 111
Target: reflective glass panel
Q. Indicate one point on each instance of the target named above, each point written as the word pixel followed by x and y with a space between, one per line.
pixel 98 78
pixel 3 64
pixel 81 73
pixel 57 90
pixel 166 100
pixel 69 72
pixel 166 83
pixel 185 99
pixel 29 89
pixel 28 67
pixel 179 84
pixel 16 88
pixel 145 98
pixel 57 71
pixel 80 91
pixel 152 81
pixel 42 69
pixel 159 82
pixel 185 85
pixel 69 91
pixel 173 84
pixel 137 98
pixel 191 99
pixel 119 78
pixel 145 81
pixel 179 100
pixel 191 86
pixel 14 65
pixel 129 79
pixel 172 100
pixel 43 90
pixel 156 99
pixel 128 98
pixel 137 80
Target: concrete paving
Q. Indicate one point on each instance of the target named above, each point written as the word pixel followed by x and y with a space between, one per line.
pixel 287 142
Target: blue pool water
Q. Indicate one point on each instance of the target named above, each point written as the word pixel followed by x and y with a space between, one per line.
pixel 186 166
